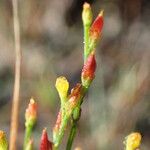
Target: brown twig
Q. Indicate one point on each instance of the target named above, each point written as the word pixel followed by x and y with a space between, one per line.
pixel 15 103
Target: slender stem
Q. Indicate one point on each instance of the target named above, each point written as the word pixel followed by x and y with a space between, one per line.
pixel 15 103
pixel 71 135
pixel 28 132
pixel 58 138
pixel 74 123
pixel 55 148
pixel 86 41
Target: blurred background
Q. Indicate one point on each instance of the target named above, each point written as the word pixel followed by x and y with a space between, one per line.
pixel 118 101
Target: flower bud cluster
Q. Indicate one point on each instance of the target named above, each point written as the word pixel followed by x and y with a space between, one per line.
pixel 71 103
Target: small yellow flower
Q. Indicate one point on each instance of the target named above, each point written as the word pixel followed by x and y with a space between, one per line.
pixel 133 141
pixel 62 86
pixel 3 141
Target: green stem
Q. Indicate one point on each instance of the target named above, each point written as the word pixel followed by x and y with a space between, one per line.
pixel 60 134
pixel 86 41
pixel 55 147
pixel 71 136
pixel 27 137
pixel 74 124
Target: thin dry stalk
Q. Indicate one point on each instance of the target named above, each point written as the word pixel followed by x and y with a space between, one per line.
pixel 15 102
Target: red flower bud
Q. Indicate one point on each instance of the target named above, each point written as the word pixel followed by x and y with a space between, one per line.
pixel 88 71
pixel 89 67
pixel 45 143
pixel 75 92
pixel 97 26
pixel 58 122
pixel 75 95
pixel 31 113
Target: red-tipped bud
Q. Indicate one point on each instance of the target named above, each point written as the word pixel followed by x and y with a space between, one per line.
pixel 58 122
pixel 75 96
pixel 45 143
pixel 97 26
pixel 88 71
pixel 31 113
pixel 89 67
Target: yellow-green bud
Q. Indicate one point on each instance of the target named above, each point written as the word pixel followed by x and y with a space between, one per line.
pixel 87 14
pixel 62 86
pixel 133 141
pixel 3 141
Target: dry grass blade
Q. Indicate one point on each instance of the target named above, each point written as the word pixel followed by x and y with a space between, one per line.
pixel 15 103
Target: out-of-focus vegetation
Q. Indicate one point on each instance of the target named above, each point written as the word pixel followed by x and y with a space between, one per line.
pixel 52 44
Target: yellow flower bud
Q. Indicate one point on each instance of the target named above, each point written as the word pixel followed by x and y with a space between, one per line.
pixel 3 141
pixel 133 141
pixel 87 14
pixel 62 86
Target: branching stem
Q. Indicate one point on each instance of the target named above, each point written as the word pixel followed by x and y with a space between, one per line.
pixel 71 135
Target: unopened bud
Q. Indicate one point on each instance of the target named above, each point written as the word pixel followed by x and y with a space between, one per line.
pixel 133 141
pixel 75 96
pixel 88 71
pixel 45 143
pixel 62 86
pixel 87 14
pixel 3 141
pixel 31 113
pixel 96 27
